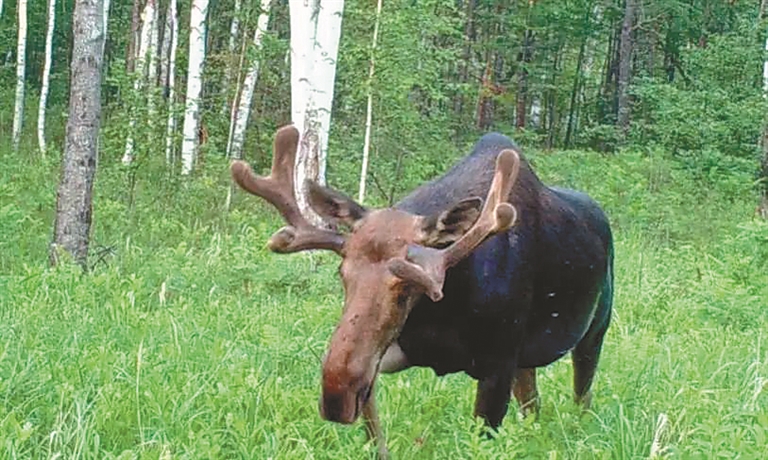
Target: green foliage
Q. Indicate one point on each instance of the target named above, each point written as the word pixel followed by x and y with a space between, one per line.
pixel 187 339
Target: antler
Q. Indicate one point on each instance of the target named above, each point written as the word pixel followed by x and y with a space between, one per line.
pixel 278 189
pixel 426 266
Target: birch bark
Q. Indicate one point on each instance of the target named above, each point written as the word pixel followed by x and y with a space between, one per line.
pixel 46 76
pixel 249 85
pixel 143 64
pixel 234 31
pixel 21 48
pixel 315 33
pixel 170 127
pixel 197 25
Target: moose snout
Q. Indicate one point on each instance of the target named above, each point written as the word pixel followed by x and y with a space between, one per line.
pixel 344 406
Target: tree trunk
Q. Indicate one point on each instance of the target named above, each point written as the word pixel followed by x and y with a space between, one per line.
pixel 762 207
pixel 143 72
pixel 21 47
pixel 133 41
pixel 153 45
pixel 234 30
pixel 369 107
pixel 171 124
pixel 249 85
pixel 466 61
pixel 573 109
pixel 625 67
pixel 552 125
pixel 522 80
pixel 74 201
pixel 165 50
pixel 190 142
pixel 314 49
pixel 484 117
pixel 46 76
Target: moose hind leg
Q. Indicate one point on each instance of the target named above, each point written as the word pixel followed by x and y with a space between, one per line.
pixel 586 354
pixel 525 391
pixel 492 398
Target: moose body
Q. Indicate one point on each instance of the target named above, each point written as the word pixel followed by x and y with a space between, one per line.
pixel 523 298
pixel 438 282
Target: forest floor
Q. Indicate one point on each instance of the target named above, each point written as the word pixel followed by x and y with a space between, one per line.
pixel 187 339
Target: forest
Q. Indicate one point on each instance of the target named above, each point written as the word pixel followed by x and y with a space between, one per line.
pixel 162 327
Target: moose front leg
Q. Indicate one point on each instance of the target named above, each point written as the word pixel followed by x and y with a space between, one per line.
pixel 492 398
pixel 373 427
pixel 393 360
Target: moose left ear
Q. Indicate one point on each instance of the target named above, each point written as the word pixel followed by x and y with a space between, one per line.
pixel 441 230
pixel 334 205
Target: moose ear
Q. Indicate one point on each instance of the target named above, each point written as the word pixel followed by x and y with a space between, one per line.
pixel 448 226
pixel 334 205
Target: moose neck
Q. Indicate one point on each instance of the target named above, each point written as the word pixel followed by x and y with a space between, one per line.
pixel 472 176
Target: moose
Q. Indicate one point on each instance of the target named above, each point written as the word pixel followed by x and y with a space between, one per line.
pixel 444 279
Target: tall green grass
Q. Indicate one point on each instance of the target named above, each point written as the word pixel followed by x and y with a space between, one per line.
pixel 187 339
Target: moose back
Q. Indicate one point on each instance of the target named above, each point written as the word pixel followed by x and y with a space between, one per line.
pixel 445 279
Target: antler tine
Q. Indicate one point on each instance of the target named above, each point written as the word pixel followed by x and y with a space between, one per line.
pixel 497 215
pixel 278 190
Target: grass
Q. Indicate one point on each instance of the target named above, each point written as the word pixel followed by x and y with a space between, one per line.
pixel 187 339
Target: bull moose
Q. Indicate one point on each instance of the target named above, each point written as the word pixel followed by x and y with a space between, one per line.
pixel 447 280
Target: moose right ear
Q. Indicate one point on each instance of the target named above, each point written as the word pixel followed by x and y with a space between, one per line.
pixel 334 205
pixel 441 230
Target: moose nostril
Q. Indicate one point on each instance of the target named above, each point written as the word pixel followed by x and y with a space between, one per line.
pixel 332 407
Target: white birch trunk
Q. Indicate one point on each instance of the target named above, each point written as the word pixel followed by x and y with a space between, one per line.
pixel 234 30
pixel 369 109
pixel 154 45
pixel 197 26
pixel 236 99
pixel 18 111
pixel 1 8
pixel 249 85
pixel 142 60
pixel 165 49
pixel 171 124
pixel 765 72
pixel 536 112
pixel 46 76
pixel 315 33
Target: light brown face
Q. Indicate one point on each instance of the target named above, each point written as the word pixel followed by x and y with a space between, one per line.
pixel 376 305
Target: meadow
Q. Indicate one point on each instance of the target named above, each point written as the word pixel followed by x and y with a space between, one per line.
pixel 188 339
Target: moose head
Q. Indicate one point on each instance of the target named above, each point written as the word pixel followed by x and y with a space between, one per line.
pixel 390 258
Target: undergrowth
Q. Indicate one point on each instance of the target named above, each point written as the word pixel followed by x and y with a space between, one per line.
pixel 187 339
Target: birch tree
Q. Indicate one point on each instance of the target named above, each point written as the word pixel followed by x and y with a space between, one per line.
pixel 164 54
pixel 369 107
pixel 143 71
pixel 74 200
pixel 171 123
pixel 46 76
pixel 197 31
pixel 315 32
pixel 240 120
pixel 21 47
pixel 234 31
